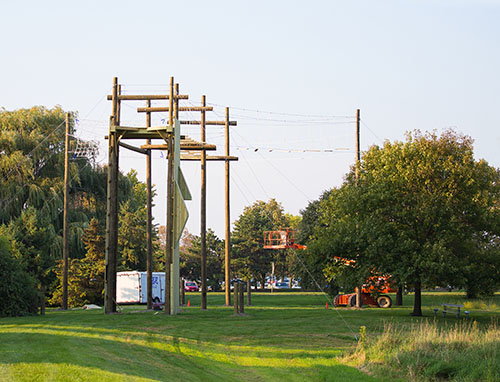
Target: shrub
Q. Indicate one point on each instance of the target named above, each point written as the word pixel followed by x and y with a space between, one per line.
pixel 18 294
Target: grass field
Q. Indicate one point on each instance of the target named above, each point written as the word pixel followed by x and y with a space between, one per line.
pixel 282 337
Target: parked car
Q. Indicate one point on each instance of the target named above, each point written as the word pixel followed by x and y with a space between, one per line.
pixel 191 286
pixel 281 285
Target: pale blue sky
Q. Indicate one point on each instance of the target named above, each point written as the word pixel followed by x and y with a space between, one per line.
pixel 406 64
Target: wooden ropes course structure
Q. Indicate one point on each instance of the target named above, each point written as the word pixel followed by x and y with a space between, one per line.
pixel 179 147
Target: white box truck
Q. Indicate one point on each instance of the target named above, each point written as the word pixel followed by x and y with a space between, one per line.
pixel 132 287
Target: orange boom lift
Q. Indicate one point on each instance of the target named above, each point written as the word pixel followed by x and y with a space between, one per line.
pixel 372 291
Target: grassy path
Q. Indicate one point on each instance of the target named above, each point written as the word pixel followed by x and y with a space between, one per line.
pixel 282 337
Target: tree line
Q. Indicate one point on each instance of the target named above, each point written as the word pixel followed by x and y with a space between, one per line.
pixel 423 210
pixel 31 203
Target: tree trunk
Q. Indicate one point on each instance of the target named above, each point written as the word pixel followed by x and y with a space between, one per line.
pixel 42 300
pixel 399 296
pixel 249 293
pixel 417 302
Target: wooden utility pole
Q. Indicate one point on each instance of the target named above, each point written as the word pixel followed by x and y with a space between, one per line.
pixel 359 301
pixel 227 262
pixel 149 223
pixel 169 250
pixel 112 210
pixel 65 217
pixel 203 210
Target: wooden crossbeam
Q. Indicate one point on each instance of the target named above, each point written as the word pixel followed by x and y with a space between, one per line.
pixel 182 108
pixel 127 129
pixel 150 97
pixel 195 157
pixel 184 146
pixel 220 123
pixel 142 135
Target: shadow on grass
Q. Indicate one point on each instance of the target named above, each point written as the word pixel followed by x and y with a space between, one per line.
pixel 164 361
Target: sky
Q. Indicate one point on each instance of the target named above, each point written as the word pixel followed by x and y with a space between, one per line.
pixel 293 74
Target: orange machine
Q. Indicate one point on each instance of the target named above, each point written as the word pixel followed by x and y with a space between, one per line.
pixel 282 239
pixel 375 285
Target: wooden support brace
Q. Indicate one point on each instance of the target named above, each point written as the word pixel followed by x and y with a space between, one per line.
pixel 133 148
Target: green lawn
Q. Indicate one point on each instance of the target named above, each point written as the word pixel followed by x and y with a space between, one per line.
pixel 282 337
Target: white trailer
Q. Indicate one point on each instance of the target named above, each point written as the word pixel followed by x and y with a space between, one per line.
pixel 132 287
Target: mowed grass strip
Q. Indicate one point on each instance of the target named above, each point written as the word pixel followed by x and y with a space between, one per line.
pixel 283 336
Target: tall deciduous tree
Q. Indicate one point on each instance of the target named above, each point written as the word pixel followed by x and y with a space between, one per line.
pixel 85 275
pixel 311 267
pixel 425 209
pixel 249 256
pixel 132 235
pixel 190 258
pixel 18 295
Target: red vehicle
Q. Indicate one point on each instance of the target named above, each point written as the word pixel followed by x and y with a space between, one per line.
pixel 191 286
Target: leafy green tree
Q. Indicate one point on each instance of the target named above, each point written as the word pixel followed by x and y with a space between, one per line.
pixel 86 275
pixel 31 161
pixel 31 188
pixel 35 239
pixel 249 256
pixel 132 233
pixel 423 211
pixel 190 258
pixel 18 294
pixel 310 268
pixel 31 194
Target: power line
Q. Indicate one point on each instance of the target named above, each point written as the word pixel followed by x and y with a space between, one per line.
pixel 299 258
pixel 287 114
pixel 284 150
pixel 371 131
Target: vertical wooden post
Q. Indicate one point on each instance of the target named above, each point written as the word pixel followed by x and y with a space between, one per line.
pixel 242 298
pixel 169 250
pixel 149 223
pixel 236 310
pixel 359 297
pixel 112 210
pixel 183 292
pixel 227 262
pixel 175 270
pixel 249 292
pixel 65 217
pixel 358 149
pixel 203 212
pixel 176 102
